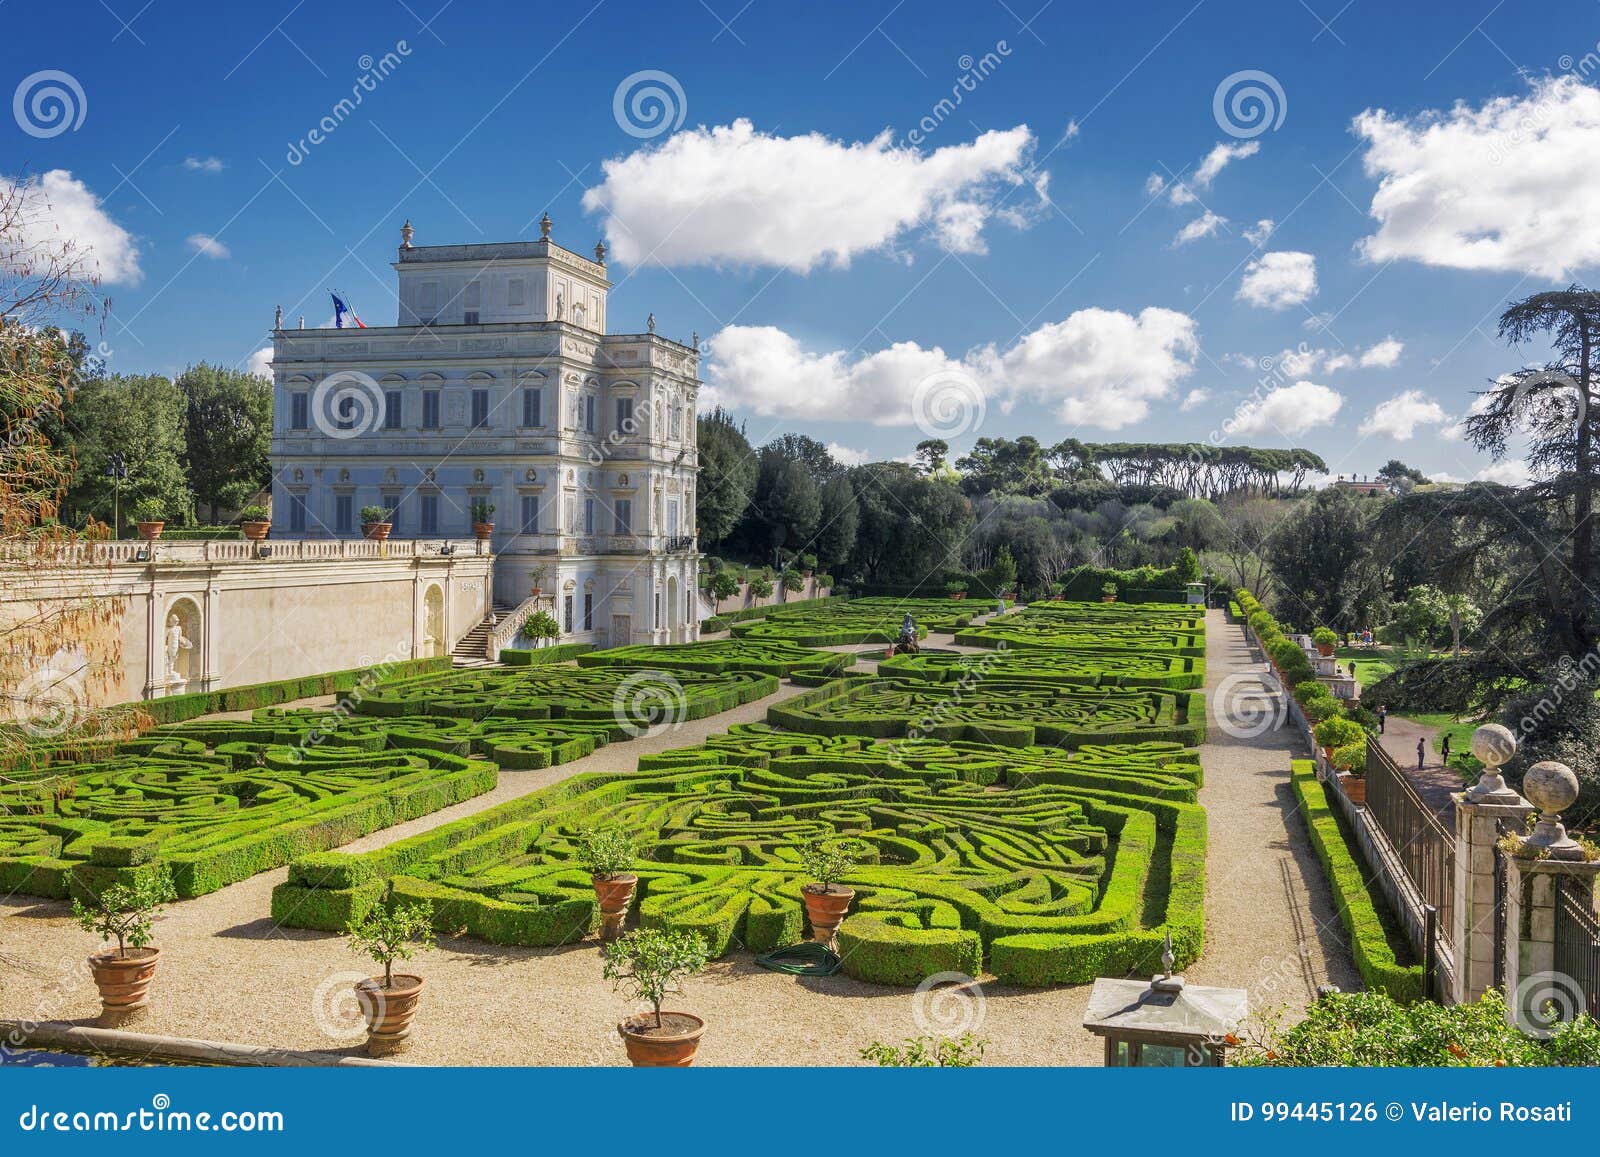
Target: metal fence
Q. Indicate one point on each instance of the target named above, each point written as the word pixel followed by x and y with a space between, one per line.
pixel 1577 934
pixel 1421 843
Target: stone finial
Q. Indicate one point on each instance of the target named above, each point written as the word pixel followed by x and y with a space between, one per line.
pixel 1552 788
pixel 544 227
pixel 277 318
pixel 1168 981
pixel 1493 744
pixel 650 323
pixel 302 321
pixel 600 252
pixel 406 232
pixel 696 339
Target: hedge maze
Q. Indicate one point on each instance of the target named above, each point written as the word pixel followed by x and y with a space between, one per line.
pixel 1037 818
pixel 215 801
pixel 1144 628
pixel 785 660
pixel 837 623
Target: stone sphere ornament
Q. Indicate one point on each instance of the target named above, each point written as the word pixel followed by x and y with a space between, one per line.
pixel 1550 786
pixel 1493 744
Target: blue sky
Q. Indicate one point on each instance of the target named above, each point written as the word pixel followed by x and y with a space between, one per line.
pixel 1017 256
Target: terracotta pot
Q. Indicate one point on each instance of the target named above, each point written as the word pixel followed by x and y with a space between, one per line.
pixel 958 595
pixel 152 530
pixel 255 531
pixel 1108 598
pixel 1324 650
pixel 389 1011
pixel 377 531
pixel 671 1046
pixel 483 531
pixel 826 910
pixel 1353 786
pixel 124 981
pixel 614 894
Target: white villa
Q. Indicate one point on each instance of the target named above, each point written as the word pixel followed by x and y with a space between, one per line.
pixel 500 386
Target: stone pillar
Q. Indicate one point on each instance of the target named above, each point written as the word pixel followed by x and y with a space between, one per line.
pixel 1532 980
pixel 1479 813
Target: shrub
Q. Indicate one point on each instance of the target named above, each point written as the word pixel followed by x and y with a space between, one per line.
pixel 1336 731
pixel 482 511
pixel 826 860
pixel 149 510
pixel 541 625
pixel 387 934
pixel 372 515
pixel 761 586
pixel 722 586
pixel 254 513
pixel 1109 590
pixel 792 580
pixel 1325 637
pixel 928 1052
pixel 126 912
pixel 1351 757
pixel 1306 691
pixel 650 964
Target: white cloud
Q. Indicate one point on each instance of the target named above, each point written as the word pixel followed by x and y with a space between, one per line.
pixel 59 209
pixel 1202 226
pixel 1196 397
pixel 1399 416
pixel 1458 431
pixel 1097 367
pixel 260 362
pixel 1509 471
pixel 1382 355
pixel 846 456
pixel 1287 410
pixel 208 246
pixel 1317 321
pixel 1504 186
pixel 203 164
pixel 1259 233
pixel 1180 190
pixel 1278 280
pixel 733 195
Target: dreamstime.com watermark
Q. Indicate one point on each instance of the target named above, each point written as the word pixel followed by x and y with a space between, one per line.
pixel 948 1004
pixel 159 1117
pixel 373 73
pixel 647 702
pixel 48 103
pixel 1574 679
pixel 948 404
pixel 648 103
pixel 1248 103
pixel 327 726
pixel 974 71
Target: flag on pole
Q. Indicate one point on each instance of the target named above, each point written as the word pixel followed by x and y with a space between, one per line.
pixel 342 311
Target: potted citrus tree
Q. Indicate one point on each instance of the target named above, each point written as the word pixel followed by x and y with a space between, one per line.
pixel 650 965
pixel 151 515
pixel 1108 592
pixel 482 520
pixel 825 898
pixel 956 588
pixel 389 1002
pixel 125 913
pixel 607 854
pixel 254 522
pixel 1326 640
pixel 375 523
pixel 1350 761
pixel 536 577
pixel 541 626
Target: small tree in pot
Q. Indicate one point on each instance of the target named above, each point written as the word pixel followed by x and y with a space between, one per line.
pixel 723 585
pixel 539 626
pixel 125 913
pixel 649 965
pixel 389 1002
pixel 254 522
pixel 1326 640
pixel 1108 592
pixel 482 520
pixel 151 515
pixel 375 522
pixel 826 899
pixel 607 854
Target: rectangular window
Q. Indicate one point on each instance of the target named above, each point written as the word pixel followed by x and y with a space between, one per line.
pixel 672 518
pixel 589 413
pixel 428 297
pixel 430 409
pixel 532 406
pixel 430 514
pixel 658 611
pixel 588 610
pixel 297 513
pixel 624 520
pixel 566 614
pixel 530 514
pixel 588 516
pixel 469 317
pixel 299 411
pixel 677 422
pixel 480 408
pixel 391 503
pixel 391 409
pixel 624 415
pixel 343 514
pixel 517 291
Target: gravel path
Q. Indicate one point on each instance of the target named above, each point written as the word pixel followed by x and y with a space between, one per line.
pixel 228 973
pixel 1270 923
pixel 1433 780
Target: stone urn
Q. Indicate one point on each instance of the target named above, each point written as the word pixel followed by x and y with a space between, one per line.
pixel 123 979
pixel 671 1044
pixel 614 894
pixel 389 1011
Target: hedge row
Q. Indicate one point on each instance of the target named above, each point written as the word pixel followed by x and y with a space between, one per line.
pixel 538 656
pixel 825 623
pixel 720 656
pixel 177 708
pixel 1378 947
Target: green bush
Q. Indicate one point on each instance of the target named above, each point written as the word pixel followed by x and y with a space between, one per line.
pixel 1337 731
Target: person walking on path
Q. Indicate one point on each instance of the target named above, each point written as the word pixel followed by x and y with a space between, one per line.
pixel 1422 752
pixel 1444 749
pixel 1383 718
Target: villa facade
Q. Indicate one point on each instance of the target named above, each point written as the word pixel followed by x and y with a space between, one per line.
pixel 499 386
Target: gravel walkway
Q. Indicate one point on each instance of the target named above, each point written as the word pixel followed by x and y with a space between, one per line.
pixel 228 973
pixel 1270 923
pixel 1433 780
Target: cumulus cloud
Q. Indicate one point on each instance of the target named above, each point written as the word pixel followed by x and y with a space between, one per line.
pixel 1097 367
pixel 260 362
pixel 1383 355
pixel 1279 280
pixel 734 195
pixel 1399 416
pixel 1195 398
pixel 1259 233
pixel 1503 186
pixel 848 456
pixel 58 209
pixel 203 164
pixel 1305 359
pixel 208 246
pixel 1202 226
pixel 1181 190
pixel 1288 411
pixel 1509 471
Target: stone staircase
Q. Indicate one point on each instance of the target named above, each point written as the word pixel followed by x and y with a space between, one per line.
pixel 473 648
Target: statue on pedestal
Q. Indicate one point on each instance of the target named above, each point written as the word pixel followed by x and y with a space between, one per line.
pixel 907 644
pixel 176 644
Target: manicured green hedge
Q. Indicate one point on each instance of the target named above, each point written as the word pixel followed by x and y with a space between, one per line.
pixel 536 656
pixel 1377 946
pixel 177 708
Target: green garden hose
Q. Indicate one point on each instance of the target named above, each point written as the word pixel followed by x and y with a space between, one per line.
pixel 807 958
